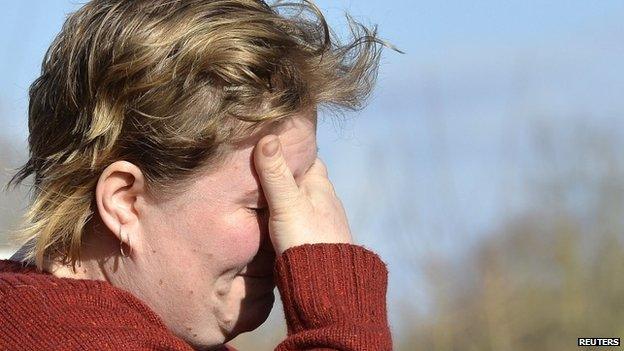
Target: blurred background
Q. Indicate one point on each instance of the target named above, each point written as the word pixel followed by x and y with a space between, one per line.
pixel 487 170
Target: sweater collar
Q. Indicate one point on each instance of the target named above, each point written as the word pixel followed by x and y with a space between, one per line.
pixel 8 266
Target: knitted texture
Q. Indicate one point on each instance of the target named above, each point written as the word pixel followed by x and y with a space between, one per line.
pixel 42 312
pixel 334 298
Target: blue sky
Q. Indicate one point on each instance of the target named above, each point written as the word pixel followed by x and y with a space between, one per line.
pixel 443 141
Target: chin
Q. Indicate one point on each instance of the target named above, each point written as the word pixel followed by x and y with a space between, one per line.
pixel 254 312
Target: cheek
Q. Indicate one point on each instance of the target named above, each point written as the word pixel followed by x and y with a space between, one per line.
pixel 240 237
pixel 216 238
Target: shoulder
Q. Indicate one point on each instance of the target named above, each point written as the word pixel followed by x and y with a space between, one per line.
pixel 38 310
pixel 31 291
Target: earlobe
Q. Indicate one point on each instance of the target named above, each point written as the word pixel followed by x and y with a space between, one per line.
pixel 124 240
pixel 116 193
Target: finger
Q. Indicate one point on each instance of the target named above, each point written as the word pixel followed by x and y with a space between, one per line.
pixel 318 168
pixel 278 184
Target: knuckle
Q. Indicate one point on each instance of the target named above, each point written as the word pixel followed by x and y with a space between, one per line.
pixel 319 185
pixel 276 169
pixel 329 189
pixel 327 185
pixel 321 167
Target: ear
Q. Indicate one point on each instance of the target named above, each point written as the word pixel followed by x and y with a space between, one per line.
pixel 119 187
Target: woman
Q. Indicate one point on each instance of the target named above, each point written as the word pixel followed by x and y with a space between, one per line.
pixel 176 182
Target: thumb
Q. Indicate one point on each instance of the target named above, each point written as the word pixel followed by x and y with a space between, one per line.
pixel 278 184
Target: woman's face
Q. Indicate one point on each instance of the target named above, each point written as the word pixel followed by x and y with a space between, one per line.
pixel 197 247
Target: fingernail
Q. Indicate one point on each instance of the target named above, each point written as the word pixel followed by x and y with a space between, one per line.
pixel 270 149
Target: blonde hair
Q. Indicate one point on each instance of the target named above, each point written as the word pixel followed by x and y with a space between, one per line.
pixel 168 85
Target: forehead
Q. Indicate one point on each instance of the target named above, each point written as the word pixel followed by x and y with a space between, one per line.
pixel 298 137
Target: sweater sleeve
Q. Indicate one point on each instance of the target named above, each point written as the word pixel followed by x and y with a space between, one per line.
pixel 334 298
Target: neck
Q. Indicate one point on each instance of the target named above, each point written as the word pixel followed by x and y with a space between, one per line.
pixel 84 269
pixel 100 258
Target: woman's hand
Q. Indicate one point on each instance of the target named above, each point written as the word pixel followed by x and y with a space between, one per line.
pixel 307 213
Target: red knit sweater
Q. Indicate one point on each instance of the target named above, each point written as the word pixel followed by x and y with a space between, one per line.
pixel 334 298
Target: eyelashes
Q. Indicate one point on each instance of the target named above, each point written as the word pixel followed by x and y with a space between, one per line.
pixel 258 211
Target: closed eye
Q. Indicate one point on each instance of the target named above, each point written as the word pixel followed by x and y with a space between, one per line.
pixel 259 211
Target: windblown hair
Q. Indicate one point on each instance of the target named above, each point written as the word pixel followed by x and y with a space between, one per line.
pixel 168 85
